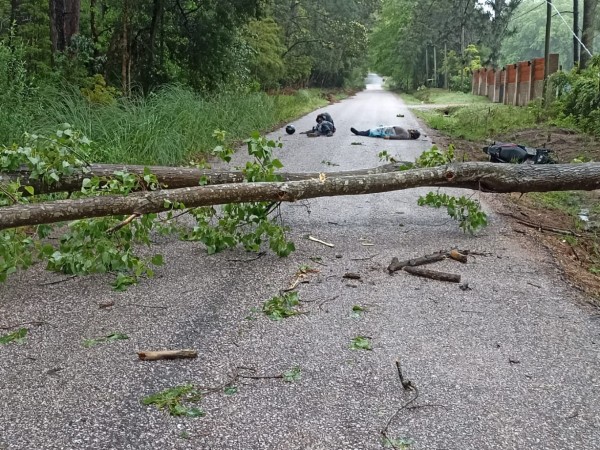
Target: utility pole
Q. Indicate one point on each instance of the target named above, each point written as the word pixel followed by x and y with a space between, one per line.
pixel 547 45
pixel 462 55
pixel 576 31
pixel 445 66
pixel 434 68
pixel 426 67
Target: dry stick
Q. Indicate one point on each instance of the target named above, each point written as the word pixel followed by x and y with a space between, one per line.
pixel 540 227
pixel 260 255
pixel 427 259
pixel 364 259
pixel 149 355
pixel 433 274
pixel 310 238
pixel 36 323
pixel 47 283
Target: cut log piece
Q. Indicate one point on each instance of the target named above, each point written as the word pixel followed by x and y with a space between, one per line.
pixel 433 274
pixel 150 355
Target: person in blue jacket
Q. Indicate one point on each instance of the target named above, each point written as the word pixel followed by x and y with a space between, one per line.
pixel 388 132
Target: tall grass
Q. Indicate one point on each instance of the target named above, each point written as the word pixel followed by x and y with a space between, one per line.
pixel 443 96
pixel 170 126
pixel 476 122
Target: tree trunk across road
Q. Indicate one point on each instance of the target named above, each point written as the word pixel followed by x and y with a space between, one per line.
pixel 490 177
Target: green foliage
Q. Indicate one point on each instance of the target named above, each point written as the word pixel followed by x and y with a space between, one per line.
pixel 112 337
pixel 467 212
pixel 357 311
pixel 292 374
pixel 578 97
pixel 361 343
pixel 435 157
pixel 98 92
pixel 172 125
pixel 111 244
pixel 174 400
pixel 18 337
pixel 265 39
pixel 385 156
pixel 245 224
pixel 16 92
pixel 230 390
pixel 527 33
pixel 442 97
pixel 398 443
pixel 407 31
pixel 282 306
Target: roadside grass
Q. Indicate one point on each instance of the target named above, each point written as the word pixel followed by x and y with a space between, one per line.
pixel 168 127
pixel 442 97
pixel 479 122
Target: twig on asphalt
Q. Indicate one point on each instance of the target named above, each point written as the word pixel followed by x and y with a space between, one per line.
pixel 260 255
pixel 407 385
pixel 314 239
pixel 62 280
pixel 364 259
pixel 327 301
pixel 37 323
pixel 139 305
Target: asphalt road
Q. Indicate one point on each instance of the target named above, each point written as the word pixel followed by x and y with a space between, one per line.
pixel 512 363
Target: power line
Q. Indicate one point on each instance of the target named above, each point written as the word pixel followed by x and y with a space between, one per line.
pixel 527 12
pixel 563 19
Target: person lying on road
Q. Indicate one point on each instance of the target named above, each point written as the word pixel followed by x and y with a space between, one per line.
pixel 324 127
pixel 389 132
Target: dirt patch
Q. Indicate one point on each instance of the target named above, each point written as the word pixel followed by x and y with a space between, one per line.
pixel 576 250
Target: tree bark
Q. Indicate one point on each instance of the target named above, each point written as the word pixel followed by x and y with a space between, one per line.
pixel 488 177
pixel 587 30
pixel 171 177
pixel 64 22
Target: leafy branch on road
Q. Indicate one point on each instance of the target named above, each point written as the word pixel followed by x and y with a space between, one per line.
pixel 176 400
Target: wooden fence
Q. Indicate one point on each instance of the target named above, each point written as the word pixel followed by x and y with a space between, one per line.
pixel 514 84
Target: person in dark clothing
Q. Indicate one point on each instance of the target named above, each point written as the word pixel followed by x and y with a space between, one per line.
pixel 324 126
pixel 388 132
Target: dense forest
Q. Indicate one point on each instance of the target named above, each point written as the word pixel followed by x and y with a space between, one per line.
pixel 257 60
pixel 255 44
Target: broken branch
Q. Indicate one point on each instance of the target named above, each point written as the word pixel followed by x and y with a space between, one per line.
pixel 166 354
pixel 433 274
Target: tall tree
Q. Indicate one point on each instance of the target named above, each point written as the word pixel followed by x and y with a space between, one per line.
pixel 588 30
pixel 64 22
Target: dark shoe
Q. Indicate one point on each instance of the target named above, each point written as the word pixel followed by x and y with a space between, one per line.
pixel 355 131
pixel 329 133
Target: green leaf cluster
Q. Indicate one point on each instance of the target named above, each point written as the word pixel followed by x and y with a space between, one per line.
pixel 361 343
pixel 245 224
pixel 282 306
pixel 18 337
pixel 112 337
pixel 175 400
pixel 467 212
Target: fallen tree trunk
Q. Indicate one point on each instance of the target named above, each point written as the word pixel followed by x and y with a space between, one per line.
pixel 171 177
pixel 488 177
